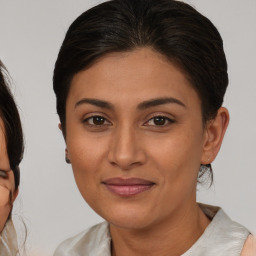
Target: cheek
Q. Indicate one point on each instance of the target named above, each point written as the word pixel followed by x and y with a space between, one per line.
pixel 177 160
pixel 179 151
pixel 87 157
pixel 86 153
pixel 5 208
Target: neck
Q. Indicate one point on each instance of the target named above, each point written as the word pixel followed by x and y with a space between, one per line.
pixel 172 237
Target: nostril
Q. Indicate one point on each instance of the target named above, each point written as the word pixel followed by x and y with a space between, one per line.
pixel 126 163
pixel 113 163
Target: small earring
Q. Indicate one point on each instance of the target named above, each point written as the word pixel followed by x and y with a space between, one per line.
pixel 67 160
pixel 66 157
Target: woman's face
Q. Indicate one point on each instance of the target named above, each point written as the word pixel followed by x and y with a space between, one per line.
pixel 7 186
pixel 135 138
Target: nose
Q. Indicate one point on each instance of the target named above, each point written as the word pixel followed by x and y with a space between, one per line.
pixel 126 149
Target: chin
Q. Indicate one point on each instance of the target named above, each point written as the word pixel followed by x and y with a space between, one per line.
pixel 128 218
pixel 129 223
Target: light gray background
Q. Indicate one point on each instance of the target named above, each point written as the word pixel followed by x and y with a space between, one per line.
pixel 31 33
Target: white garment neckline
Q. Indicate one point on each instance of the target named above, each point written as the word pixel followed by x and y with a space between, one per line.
pixel 222 237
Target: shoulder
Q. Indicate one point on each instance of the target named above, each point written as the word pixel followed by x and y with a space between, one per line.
pixel 222 236
pixel 249 246
pixel 92 241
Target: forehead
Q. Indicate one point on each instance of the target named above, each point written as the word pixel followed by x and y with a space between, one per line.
pixel 140 73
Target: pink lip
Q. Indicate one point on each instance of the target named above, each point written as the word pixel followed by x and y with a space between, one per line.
pixel 128 187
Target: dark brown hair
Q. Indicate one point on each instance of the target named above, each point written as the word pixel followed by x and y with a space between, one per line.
pixel 12 124
pixel 172 28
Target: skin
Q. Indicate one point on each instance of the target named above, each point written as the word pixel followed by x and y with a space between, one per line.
pixel 7 185
pixel 130 142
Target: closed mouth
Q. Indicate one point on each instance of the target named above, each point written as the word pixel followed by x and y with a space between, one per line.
pixel 128 187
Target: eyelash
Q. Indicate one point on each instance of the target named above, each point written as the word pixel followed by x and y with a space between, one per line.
pixel 93 118
pixel 167 121
pixel 164 121
pixel 3 174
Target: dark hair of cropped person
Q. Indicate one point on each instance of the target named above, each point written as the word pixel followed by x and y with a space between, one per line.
pixel 172 28
pixel 12 124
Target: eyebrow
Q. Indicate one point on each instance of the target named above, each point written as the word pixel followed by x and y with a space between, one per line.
pixel 97 103
pixel 159 101
pixel 141 106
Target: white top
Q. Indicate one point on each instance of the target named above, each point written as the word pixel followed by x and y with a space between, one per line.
pixel 222 237
pixel 8 240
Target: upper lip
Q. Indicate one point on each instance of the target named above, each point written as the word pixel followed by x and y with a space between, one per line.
pixel 127 181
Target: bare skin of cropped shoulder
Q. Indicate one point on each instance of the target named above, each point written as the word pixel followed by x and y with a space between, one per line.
pixel 249 246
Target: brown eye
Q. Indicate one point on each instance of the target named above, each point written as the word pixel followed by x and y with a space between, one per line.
pixel 96 121
pixel 159 121
pixel 3 174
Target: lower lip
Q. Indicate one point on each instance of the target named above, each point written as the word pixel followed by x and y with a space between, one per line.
pixel 128 190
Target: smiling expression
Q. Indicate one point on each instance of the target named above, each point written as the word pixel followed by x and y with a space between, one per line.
pixel 135 138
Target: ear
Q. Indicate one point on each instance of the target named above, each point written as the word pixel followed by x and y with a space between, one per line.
pixel 63 130
pixel 214 133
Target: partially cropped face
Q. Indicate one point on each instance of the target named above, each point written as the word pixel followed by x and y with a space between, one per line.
pixel 7 186
pixel 135 138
